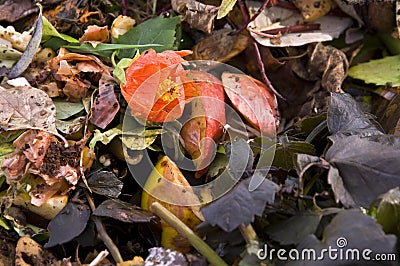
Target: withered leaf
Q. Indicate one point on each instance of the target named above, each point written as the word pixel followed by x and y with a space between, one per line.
pixel 197 14
pixel 105 183
pixel 105 105
pixel 123 211
pixel 25 107
pixel 368 167
pixel 68 224
pixel 30 51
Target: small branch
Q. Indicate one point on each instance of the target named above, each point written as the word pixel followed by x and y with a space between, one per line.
pixel 102 255
pixel 185 231
pixel 103 233
pixel 266 35
pixel 293 29
pixel 262 71
pixel 124 8
pixel 244 11
pixel 258 12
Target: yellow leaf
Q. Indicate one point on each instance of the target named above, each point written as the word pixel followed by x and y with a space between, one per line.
pixel 225 8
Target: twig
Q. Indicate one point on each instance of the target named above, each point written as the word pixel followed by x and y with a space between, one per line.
pixel 244 11
pixel 266 35
pixel 103 234
pixel 124 8
pixel 185 231
pixel 293 29
pixel 102 255
pixel 262 71
pixel 258 12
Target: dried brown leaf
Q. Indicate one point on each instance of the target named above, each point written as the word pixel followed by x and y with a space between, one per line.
pixel 105 105
pixel 26 107
pixel 95 33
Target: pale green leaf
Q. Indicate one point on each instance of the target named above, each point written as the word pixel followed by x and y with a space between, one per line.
pixel 66 109
pixel 105 49
pixel 158 30
pixel 225 8
pixel 140 140
pixel 379 72
pixel 49 31
pixel 104 137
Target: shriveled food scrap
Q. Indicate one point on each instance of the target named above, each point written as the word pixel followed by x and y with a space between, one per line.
pixel 17 40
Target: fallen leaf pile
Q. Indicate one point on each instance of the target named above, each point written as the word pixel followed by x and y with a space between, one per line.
pixel 184 132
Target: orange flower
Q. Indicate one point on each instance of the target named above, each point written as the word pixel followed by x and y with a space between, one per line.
pixel 153 88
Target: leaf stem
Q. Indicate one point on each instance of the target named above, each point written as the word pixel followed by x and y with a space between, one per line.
pixel 258 12
pixel 103 233
pixel 262 71
pixel 185 231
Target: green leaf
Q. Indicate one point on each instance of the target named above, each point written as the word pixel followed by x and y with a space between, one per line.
pixel 140 140
pixel 225 8
pixel 49 31
pixel 66 109
pixel 119 69
pixel 379 72
pixel 104 137
pixel 105 49
pixel 158 30
pixel 286 150
pixel 388 214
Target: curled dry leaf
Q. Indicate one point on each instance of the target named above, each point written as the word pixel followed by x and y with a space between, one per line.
pixel 121 25
pixel 253 100
pixel 24 107
pixel 233 45
pixel 105 105
pixel 153 87
pixel 66 68
pixel 276 17
pixel 95 34
pixel 197 14
pixel 331 63
pixel 53 165
pixel 208 112
pixel 29 252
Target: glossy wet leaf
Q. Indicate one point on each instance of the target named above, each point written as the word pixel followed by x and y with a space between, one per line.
pixel 379 72
pixel 253 100
pixel 68 224
pixel 105 183
pixel 388 213
pixel 294 229
pixel 201 133
pixel 158 30
pixel 153 88
pixel 239 206
pixel 363 234
pixel 123 211
pixel 367 166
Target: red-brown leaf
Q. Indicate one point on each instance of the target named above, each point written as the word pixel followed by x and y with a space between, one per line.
pixel 253 100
